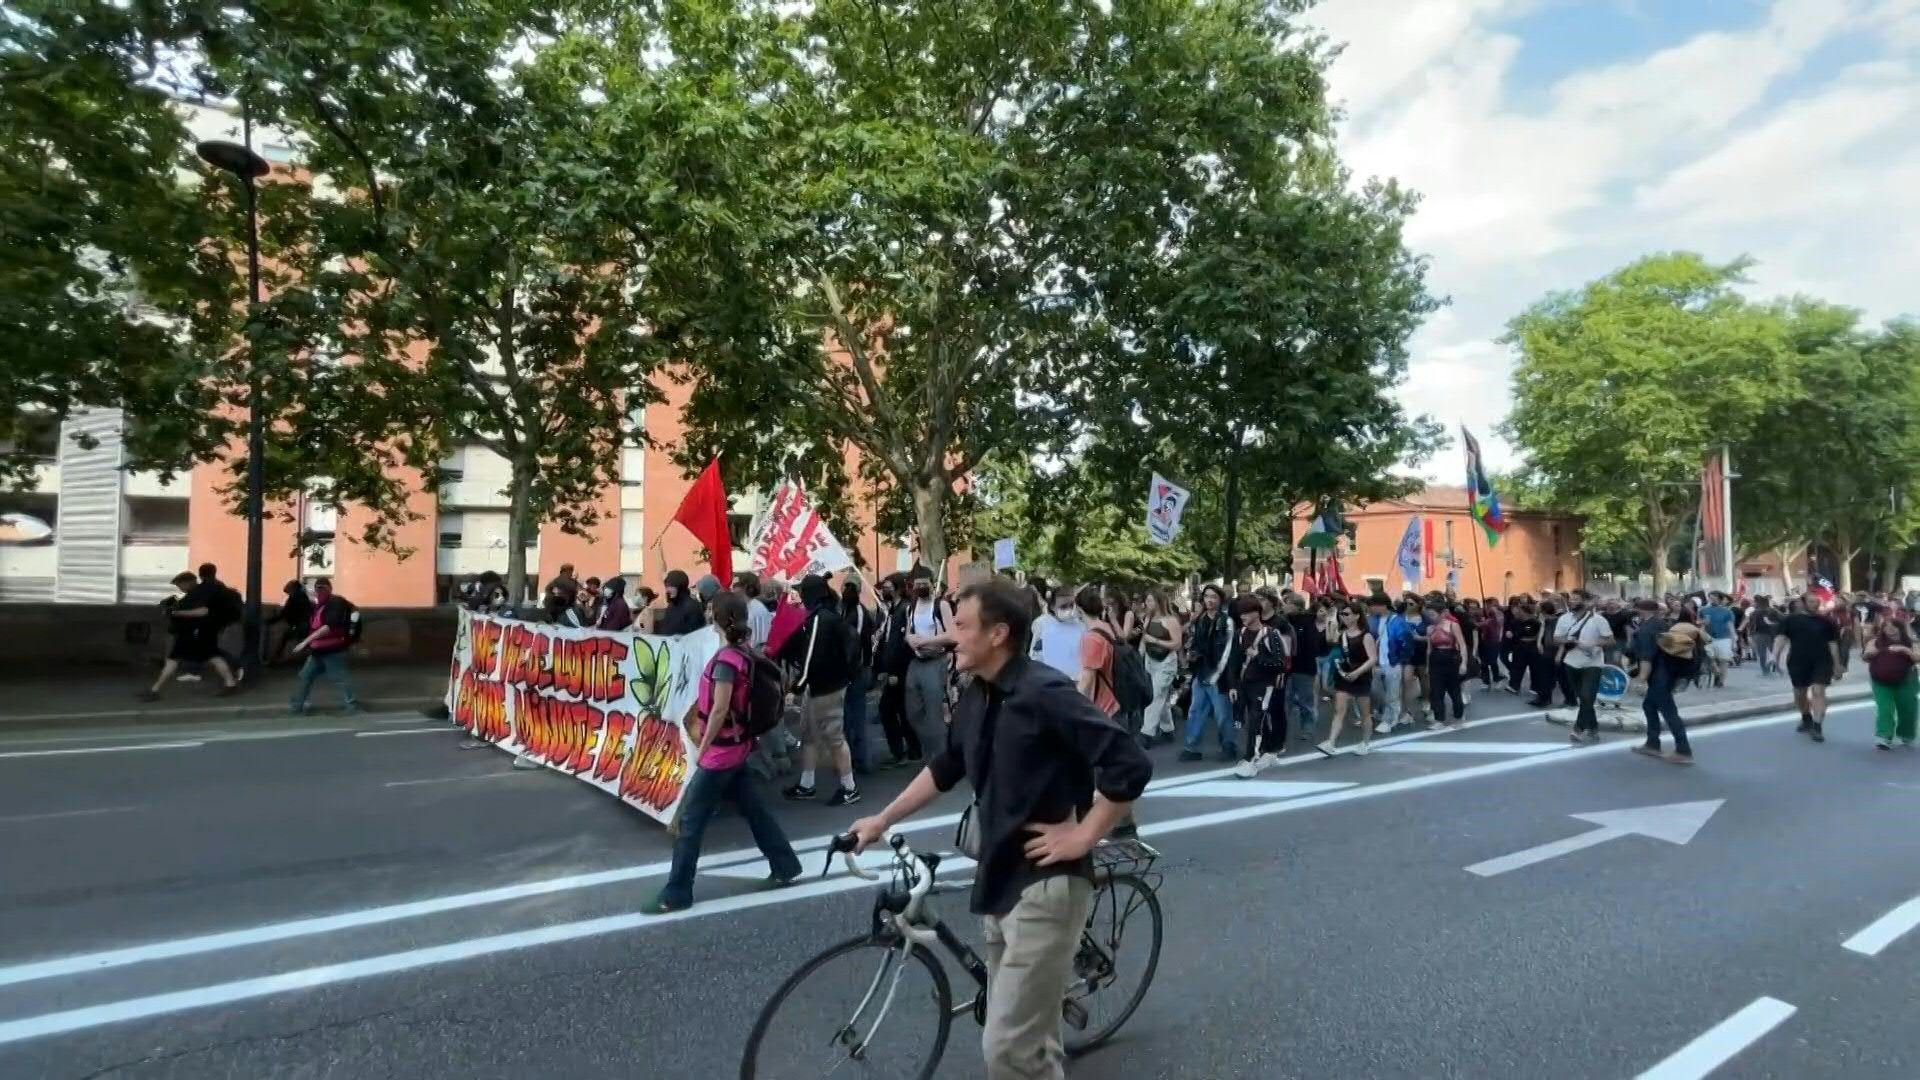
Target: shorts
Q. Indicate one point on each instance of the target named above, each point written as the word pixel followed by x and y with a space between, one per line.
pixel 194 646
pixel 823 720
pixel 1721 649
pixel 1803 674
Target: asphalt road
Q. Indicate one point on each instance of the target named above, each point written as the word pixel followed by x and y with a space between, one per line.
pixel 366 900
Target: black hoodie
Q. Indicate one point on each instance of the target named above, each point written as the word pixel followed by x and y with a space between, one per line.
pixel 682 615
pixel 821 651
pixel 614 613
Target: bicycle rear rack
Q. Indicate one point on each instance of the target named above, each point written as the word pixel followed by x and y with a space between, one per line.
pixel 1115 857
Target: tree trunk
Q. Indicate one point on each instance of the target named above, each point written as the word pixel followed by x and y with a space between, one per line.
pixel 1786 553
pixel 1659 538
pixel 1844 551
pixel 519 495
pixel 929 507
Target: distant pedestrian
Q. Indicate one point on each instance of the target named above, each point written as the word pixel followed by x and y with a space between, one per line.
pixel 1810 643
pixel 1583 637
pixel 326 648
pixel 892 657
pixel 682 612
pixel 1356 655
pixel 614 612
pixel 1258 698
pixel 1763 629
pixel 1160 633
pixel 1446 652
pixel 722 746
pixel 1717 618
pixel 1664 654
pixel 1492 642
pixel 1057 634
pixel 928 619
pixel 1890 654
pixel 193 642
pixel 227 607
pixel 862 625
pixel 1303 670
pixel 296 612
pixel 1209 651
pixel 821 653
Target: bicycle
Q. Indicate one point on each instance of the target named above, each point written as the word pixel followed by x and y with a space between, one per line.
pixel 899 942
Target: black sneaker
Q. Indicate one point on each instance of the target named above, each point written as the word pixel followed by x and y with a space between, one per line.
pixel 1816 734
pixel 845 796
pixel 1191 755
pixel 1806 725
pixel 797 793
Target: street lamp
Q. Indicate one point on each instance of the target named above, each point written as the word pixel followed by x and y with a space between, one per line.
pixel 240 160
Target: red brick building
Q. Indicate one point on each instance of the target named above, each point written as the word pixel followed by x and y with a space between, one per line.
pixel 1540 550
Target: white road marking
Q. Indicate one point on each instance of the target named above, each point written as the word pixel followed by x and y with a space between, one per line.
pixel 100 749
pixel 456 779
pixel 68 814
pixel 1253 789
pixel 442 729
pixel 1721 1042
pixel 347 920
pixel 1885 930
pixel 1475 748
pixel 1676 823
pixel 224 993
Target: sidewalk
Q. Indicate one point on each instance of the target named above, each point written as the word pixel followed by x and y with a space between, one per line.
pixel 1746 694
pixel 109 697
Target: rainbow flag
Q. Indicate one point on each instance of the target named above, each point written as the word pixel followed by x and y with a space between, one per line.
pixel 1483 502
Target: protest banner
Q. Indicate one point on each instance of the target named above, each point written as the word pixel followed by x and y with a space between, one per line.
pixel 791 540
pixel 1003 554
pixel 606 708
pixel 1165 501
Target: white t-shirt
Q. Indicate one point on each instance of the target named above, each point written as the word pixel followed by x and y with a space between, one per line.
pixel 759 623
pixel 1056 643
pixel 1587 650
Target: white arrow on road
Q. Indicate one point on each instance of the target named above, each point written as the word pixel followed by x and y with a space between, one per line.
pixel 1676 823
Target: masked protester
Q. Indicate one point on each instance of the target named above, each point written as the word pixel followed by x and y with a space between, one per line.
pixel 681 615
pixel 326 648
pixel 821 655
pixel 614 612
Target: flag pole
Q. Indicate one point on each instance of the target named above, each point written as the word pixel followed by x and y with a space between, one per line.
pixel 1480 539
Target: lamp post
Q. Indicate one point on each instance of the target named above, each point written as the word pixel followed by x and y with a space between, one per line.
pixel 240 160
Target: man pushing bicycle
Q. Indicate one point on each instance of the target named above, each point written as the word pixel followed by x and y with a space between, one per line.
pixel 1051 775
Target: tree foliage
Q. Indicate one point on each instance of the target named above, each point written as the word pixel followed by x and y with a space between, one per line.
pixel 970 189
pixel 1622 388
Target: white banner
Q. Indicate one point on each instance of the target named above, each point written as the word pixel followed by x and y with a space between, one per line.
pixel 1165 501
pixel 1003 554
pixel 606 708
pixel 791 540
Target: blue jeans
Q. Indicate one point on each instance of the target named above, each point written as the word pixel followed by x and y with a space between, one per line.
pixel 1209 699
pixel 855 717
pixel 1302 709
pixel 334 666
pixel 703 796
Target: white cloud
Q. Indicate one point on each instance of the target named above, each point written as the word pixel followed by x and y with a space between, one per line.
pixel 1720 142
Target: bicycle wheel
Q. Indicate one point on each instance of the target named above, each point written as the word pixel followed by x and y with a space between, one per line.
pixel 1119 952
pixel 864 1007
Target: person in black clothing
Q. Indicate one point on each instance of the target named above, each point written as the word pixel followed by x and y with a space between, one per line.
pixel 1051 775
pixel 1259 702
pixel 861 624
pixel 1660 672
pixel 891 656
pixel 1446 642
pixel 682 613
pixel 1523 637
pixel 227 607
pixel 187 614
pixel 294 615
pixel 1810 644
pixel 1309 645
pixel 821 651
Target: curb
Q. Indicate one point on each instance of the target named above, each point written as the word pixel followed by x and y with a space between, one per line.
pixel 1628 717
pixel 260 711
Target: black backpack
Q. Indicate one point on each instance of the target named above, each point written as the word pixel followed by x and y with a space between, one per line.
pixel 891 656
pixel 766 693
pixel 1131 685
pixel 343 616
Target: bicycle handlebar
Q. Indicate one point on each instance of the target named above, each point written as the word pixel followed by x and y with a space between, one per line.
pixel 917 889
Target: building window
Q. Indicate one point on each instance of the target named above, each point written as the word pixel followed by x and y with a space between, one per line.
pixel 633 529
pixel 453 528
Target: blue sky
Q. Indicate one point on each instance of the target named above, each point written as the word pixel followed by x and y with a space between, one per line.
pixel 1553 140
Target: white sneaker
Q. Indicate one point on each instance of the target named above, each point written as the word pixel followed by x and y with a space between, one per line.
pixel 1325 746
pixel 1246 770
pixel 1363 749
pixel 187 676
pixel 1265 762
pixel 1383 729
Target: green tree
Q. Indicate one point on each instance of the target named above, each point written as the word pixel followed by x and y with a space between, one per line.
pixel 1268 345
pixel 515 242
pixel 1622 388
pixel 107 295
pixel 965 188
pixel 1837 464
pixel 1067 530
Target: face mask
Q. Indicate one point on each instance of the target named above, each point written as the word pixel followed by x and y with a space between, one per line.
pixel 606 594
pixel 924 592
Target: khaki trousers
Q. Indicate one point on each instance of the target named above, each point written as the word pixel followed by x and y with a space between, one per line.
pixel 1029 960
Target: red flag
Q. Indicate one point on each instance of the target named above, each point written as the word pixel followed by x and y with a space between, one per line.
pixel 704 513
